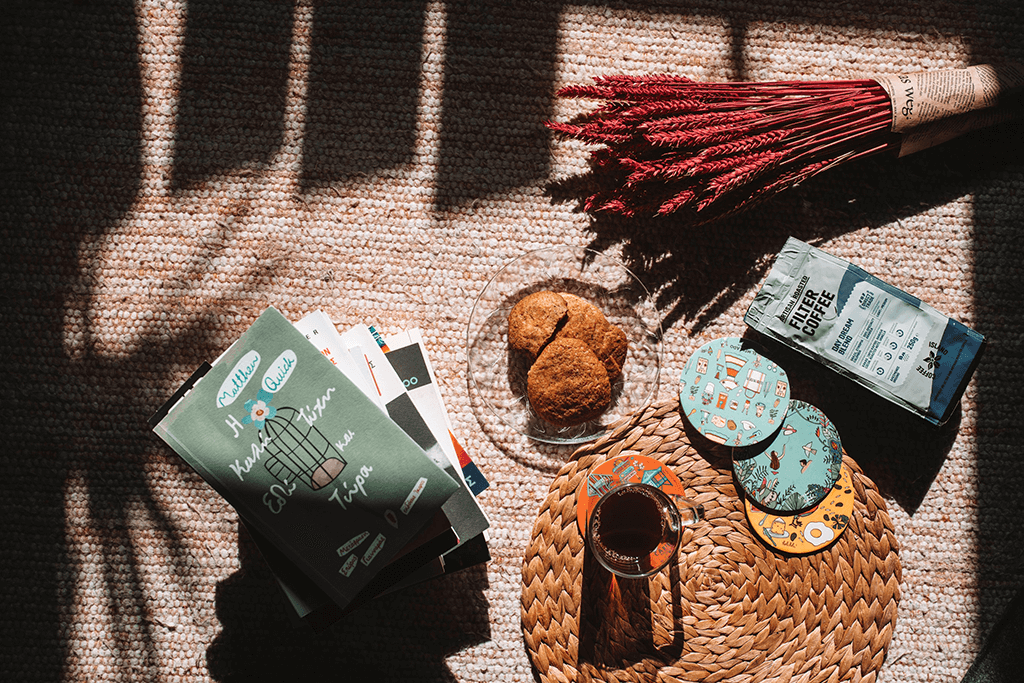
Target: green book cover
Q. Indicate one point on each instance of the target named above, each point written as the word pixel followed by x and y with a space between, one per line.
pixel 306 457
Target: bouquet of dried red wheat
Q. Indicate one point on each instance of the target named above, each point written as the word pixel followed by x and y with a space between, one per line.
pixel 670 144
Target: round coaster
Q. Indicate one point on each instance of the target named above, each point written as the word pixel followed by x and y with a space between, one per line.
pixel 809 531
pixel 622 469
pixel 732 394
pixel 797 469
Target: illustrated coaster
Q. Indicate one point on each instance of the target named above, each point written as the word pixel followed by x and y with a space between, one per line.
pixel 732 394
pixel 797 468
pixel 808 531
pixel 624 469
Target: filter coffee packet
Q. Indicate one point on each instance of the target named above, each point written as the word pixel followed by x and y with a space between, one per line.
pixel 866 330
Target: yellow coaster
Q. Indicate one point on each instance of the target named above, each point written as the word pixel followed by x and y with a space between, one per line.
pixel 808 531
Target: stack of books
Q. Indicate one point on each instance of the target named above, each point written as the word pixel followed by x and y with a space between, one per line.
pixel 338 454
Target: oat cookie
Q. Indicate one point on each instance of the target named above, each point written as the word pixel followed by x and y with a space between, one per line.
pixel 568 384
pixel 587 323
pixel 532 322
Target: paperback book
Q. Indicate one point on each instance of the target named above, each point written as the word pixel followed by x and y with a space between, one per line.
pixel 408 356
pixel 315 467
pixel 465 514
pixel 426 415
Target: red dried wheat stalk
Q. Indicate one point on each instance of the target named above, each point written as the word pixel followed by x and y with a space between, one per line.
pixel 711 149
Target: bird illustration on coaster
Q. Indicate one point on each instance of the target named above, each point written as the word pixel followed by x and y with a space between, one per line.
pixel 806 462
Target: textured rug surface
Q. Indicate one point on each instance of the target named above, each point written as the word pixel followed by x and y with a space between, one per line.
pixel 172 168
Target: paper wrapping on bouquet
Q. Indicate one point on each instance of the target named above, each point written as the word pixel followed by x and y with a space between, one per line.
pixel 931 107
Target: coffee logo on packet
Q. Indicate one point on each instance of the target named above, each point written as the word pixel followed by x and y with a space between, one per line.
pixel 933 360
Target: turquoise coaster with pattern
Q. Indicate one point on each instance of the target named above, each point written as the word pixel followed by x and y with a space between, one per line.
pixel 797 468
pixel 732 394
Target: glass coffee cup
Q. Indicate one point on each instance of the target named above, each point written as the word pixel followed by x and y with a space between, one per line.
pixel 635 529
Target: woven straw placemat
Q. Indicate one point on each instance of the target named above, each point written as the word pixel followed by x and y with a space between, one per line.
pixel 729 609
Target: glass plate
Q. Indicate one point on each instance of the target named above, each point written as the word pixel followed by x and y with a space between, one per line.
pixel 500 375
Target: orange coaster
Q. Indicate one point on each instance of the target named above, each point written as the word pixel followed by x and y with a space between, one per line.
pixel 624 469
pixel 808 531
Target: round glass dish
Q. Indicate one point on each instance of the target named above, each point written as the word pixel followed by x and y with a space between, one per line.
pixel 499 374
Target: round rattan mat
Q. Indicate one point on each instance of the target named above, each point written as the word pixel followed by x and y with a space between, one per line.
pixel 729 609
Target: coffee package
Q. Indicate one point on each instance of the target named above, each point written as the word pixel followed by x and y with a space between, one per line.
pixel 866 330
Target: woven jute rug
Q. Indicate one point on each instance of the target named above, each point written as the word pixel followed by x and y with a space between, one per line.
pixel 168 169
pixel 728 608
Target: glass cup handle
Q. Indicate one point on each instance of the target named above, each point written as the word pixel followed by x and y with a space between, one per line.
pixel 689 512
